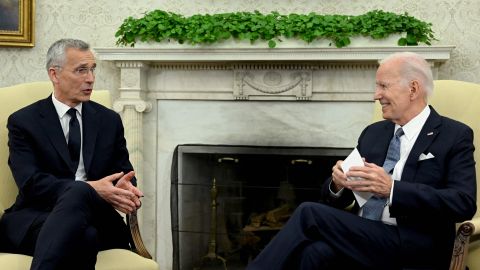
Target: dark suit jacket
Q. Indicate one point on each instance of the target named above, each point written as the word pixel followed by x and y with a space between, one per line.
pixel 433 194
pixel 40 162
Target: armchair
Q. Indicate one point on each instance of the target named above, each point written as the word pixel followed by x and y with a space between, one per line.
pixel 461 101
pixel 15 97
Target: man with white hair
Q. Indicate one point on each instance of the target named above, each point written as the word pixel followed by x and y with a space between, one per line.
pixel 420 170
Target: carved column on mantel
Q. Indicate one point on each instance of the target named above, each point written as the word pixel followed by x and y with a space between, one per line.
pixel 131 105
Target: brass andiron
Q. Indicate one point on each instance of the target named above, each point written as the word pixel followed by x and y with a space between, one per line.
pixel 212 257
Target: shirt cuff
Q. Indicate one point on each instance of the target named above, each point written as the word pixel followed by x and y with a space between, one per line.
pixel 389 203
pixel 335 194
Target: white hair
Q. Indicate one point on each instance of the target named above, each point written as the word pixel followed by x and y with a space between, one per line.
pixel 413 67
pixel 56 52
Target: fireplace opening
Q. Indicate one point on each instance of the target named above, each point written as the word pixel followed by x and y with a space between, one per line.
pixel 229 201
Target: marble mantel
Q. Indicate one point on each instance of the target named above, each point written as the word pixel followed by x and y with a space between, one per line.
pixel 212 54
pixel 242 96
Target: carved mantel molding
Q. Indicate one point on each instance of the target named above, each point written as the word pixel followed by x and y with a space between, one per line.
pixel 315 74
pixel 433 53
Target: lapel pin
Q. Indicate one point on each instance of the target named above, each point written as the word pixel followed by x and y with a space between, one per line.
pixel 430 133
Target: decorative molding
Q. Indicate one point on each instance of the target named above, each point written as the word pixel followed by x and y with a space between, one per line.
pixel 132 86
pixel 270 83
pixel 190 66
pixel 348 66
pixel 140 106
pixel 437 53
pixel 273 65
pixel 314 74
pixel 130 64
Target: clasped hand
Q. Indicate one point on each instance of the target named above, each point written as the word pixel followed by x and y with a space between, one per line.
pixel 123 196
pixel 369 178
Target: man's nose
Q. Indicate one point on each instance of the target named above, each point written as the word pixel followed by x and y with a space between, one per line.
pixel 377 94
pixel 90 76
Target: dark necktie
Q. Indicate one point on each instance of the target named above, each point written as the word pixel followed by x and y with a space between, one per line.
pixel 74 139
pixel 373 208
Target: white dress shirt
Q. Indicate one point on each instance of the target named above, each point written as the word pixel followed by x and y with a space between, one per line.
pixel 64 118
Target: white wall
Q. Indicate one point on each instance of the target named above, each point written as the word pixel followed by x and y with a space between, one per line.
pixel 455 22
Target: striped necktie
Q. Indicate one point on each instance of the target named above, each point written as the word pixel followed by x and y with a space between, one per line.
pixel 373 208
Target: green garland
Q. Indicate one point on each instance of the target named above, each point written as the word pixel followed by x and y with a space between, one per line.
pixel 160 25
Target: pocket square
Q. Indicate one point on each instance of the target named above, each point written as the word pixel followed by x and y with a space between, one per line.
pixel 424 157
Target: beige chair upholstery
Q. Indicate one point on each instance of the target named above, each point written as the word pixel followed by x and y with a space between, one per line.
pixel 13 98
pixel 461 101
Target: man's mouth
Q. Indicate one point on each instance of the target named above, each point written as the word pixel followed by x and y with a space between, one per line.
pixel 384 106
pixel 87 92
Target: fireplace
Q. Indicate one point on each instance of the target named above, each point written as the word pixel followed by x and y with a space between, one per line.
pixel 318 98
pixel 253 189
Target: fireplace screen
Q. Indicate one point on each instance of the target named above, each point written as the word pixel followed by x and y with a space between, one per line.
pixel 229 201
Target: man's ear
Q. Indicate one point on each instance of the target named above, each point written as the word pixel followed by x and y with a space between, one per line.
pixel 414 88
pixel 53 74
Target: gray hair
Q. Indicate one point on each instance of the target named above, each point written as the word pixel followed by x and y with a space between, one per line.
pixel 56 52
pixel 413 67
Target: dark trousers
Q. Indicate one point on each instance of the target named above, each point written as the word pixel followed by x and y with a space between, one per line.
pixel 70 236
pixel 321 237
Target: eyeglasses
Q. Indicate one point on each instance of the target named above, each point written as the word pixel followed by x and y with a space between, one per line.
pixel 81 71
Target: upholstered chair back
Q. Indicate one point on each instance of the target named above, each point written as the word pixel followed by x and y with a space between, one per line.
pixel 11 99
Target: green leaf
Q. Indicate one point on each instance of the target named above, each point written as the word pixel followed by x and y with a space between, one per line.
pixel 272 43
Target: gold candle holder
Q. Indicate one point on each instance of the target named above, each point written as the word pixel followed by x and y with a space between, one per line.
pixel 212 257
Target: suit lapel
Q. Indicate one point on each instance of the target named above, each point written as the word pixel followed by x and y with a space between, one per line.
pixel 90 130
pixel 427 135
pixel 376 152
pixel 51 125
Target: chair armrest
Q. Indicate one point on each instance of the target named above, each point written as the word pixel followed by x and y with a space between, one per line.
pixel 460 248
pixel 139 247
pixel 476 223
pixel 2 209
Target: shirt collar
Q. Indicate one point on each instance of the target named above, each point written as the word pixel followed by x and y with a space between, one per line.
pixel 62 108
pixel 413 127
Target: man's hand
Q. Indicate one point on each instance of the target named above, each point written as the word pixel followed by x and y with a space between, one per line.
pixel 374 179
pixel 121 197
pixel 126 183
pixel 339 179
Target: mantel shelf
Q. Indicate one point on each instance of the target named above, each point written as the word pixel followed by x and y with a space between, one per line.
pixel 431 53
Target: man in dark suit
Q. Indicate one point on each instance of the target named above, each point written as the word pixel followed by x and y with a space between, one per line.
pixel 69 159
pixel 431 186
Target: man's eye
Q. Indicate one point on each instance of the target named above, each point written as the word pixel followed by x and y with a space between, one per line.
pixel 82 70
